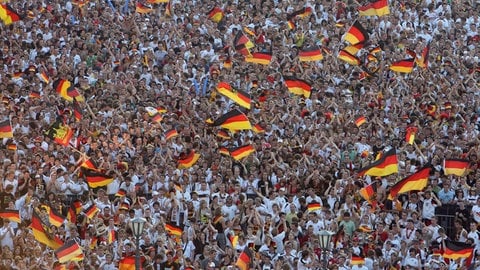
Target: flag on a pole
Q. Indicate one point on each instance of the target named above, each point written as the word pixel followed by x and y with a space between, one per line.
pixel 386 165
pixel 233 120
pixel 68 251
pixel 189 160
pixel 12 215
pixel 96 178
pixel 455 166
pixel 241 152
pixel 403 66
pixel 414 182
pixel 378 8
pixel 356 34
pixel 6 129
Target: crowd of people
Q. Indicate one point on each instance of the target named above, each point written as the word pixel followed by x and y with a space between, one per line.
pixel 265 211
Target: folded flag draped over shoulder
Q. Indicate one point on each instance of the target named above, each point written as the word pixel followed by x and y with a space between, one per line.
pixel 416 181
pixel 12 215
pixel 403 66
pixel 8 15
pixel 96 178
pixel 263 58
pixel 215 14
pixel 142 9
pixel 384 166
pixel 244 260
pixel 41 234
pixel 356 34
pixel 378 8
pixel 188 160
pixel 298 87
pixel 457 250
pixel 310 54
pixel 368 192
pixel 240 97
pixel 6 129
pixel 455 166
pixel 174 230
pixel 348 57
pixel 233 120
pixel 68 251
pixel 241 152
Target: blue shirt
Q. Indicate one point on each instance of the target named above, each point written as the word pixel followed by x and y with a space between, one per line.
pixel 446 196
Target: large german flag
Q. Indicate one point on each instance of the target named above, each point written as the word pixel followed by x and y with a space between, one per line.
pixel 55 218
pixel 368 192
pixel 240 97
pixel 378 8
pixel 172 229
pixel 416 181
pixel 96 178
pixel 8 15
pixel 68 251
pixel 263 58
pixel 403 66
pixel 233 120
pixel 244 259
pixel 356 34
pixel 457 250
pixel 310 54
pixel 12 215
pixel 215 14
pixel 142 9
pixel 455 166
pixel 240 152
pixel 189 160
pixel 348 57
pixel 41 235
pixel 384 166
pixel 6 129
pixel 298 87
pixel 127 263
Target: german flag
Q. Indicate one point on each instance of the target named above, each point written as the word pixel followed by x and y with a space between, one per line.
pixel 111 236
pixel 228 63
pixel 224 151
pixel 44 77
pixel 244 260
pixel 365 228
pixel 172 133
pixel 6 129
pixel 356 34
pixel 403 66
pixel 297 86
pixel 457 250
pixel 73 93
pixel 215 14
pixel 34 94
pixel 241 152
pixel 60 133
pixel 301 13
pixel 77 110
pixel 240 97
pixel 67 91
pixel 353 49
pixel 189 160
pixel 233 240
pixel 127 263
pixel 8 15
pixel 96 179
pixel 55 218
pixel 168 9
pixel 455 166
pixel 121 193
pixel 12 215
pixel 356 260
pixel 249 31
pixel 416 181
pixel 40 233
pixel 71 215
pixel 17 75
pixel 142 9
pixel 310 54
pixel 223 135
pixel 77 206
pixel 378 8
pixel 410 134
pixel 88 163
pixel 91 211
pixel 242 43
pixel 172 229
pixel 258 129
pixel 12 146
pixel 291 25
pixel 259 58
pixel 360 121
pixel 375 50
pixel 233 120
pixel 314 206
pixel 68 251
pixel 384 166
pixel 423 61
pixel 157 118
pixel 157 1
pixel 368 192
pixel 348 57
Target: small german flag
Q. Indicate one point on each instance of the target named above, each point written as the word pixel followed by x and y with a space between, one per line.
pixel 356 34
pixel 241 152
pixel 157 118
pixel 457 250
pixel 91 211
pixel 142 9
pixel 77 206
pixel 223 135
pixel 297 86
pixel 356 260
pixel 215 14
pixel 41 235
pixel 368 192
pixel 375 50
pixel 168 9
pixel 259 58
pixel 349 58
pixel 291 25
pixel 224 151
pixel 301 13
pixel 12 215
pixel 127 263
pixel 6 129
pixel 233 240
pixel 55 218
pixel 233 120
pixel 172 229
pixel 354 49
pixel 258 129
pixel 172 133
pixel 121 193
pixel 360 121
pixel 240 97
pixel 44 77
pixel 410 135
pixel 456 167
pixel 403 66
pixel 249 31
pixel 111 236
pixel 189 160
pixel 228 63
pixel 314 206
pixel 378 8
pixel 96 179
pixel 310 54
pixel 34 94
pixel 77 110
pixel 68 251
